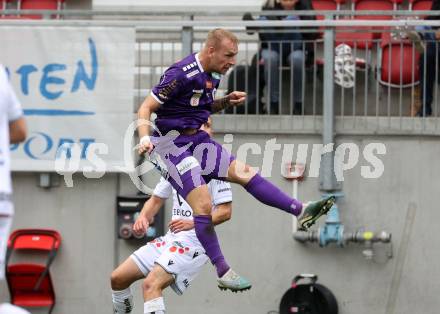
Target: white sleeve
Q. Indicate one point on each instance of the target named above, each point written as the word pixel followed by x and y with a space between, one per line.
pixel 13 106
pixel 221 192
pixel 163 189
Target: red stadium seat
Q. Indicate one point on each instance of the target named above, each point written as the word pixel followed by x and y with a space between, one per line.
pixel 398 62
pixel 377 5
pixel 30 285
pixel 323 5
pixel 365 40
pixel 40 5
pixel 361 39
pixel 420 5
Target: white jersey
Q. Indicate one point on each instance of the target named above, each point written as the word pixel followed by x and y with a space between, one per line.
pixel 180 254
pixel 7 308
pixel 10 110
pixel 220 192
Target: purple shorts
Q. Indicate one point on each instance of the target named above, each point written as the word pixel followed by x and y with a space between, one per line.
pixel 192 160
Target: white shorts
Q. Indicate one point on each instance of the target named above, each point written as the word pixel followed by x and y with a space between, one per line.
pixel 180 257
pixel 7 308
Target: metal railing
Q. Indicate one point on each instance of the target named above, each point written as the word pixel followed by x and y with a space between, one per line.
pixel 386 87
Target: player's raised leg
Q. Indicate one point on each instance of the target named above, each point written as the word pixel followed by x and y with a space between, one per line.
pixel 269 194
pixel 121 279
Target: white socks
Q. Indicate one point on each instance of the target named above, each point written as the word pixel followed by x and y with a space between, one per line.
pixel 122 301
pixel 155 306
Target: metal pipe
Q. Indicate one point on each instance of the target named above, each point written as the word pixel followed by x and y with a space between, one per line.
pixel 187 38
pixel 327 176
pixel 144 24
pixel 358 236
pixel 155 10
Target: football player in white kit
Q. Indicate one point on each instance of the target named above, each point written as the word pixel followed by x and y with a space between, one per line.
pixel 12 130
pixel 172 260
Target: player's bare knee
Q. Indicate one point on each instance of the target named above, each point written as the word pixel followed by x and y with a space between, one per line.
pixel 150 284
pixel 200 201
pixel 204 207
pixel 117 281
pixel 240 173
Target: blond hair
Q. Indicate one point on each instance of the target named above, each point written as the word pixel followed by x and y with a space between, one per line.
pixel 216 36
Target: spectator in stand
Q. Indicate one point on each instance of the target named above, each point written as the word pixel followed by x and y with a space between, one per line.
pixel 426 42
pixel 280 47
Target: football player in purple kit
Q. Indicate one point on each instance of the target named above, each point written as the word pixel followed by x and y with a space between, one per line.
pixel 183 100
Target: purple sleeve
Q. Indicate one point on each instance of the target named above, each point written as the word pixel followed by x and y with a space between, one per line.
pixel 169 85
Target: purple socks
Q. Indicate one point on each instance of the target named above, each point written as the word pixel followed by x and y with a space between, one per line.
pixel 208 238
pixel 269 194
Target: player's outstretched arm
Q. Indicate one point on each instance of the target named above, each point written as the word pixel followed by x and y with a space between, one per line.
pixel 150 209
pixel 232 99
pixel 149 106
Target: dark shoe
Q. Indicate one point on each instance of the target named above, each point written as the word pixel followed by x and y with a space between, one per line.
pixel 313 211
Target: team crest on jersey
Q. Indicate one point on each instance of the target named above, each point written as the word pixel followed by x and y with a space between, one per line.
pixel 209 84
pixel 195 99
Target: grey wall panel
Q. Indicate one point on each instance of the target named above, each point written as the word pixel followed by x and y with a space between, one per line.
pixel 257 241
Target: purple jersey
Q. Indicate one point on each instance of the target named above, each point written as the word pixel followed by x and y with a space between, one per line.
pixel 186 94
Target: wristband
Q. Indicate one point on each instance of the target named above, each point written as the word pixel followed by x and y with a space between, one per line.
pixel 144 140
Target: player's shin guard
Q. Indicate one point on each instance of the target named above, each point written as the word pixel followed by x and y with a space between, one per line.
pixel 269 194
pixel 208 238
pixel 155 306
pixel 122 301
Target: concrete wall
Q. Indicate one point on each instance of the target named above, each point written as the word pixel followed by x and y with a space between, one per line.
pixel 258 242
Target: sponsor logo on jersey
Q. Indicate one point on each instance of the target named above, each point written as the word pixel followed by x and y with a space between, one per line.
pixel 182 212
pixel 189 66
pixel 170 262
pixel 164 92
pixel 192 73
pixel 224 190
pixel 187 164
pixel 195 254
pixel 177 243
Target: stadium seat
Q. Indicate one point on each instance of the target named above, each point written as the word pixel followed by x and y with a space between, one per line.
pixel 361 39
pixel 39 5
pixel 420 5
pixel 30 284
pixel 378 5
pixel 398 62
pixel 329 5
